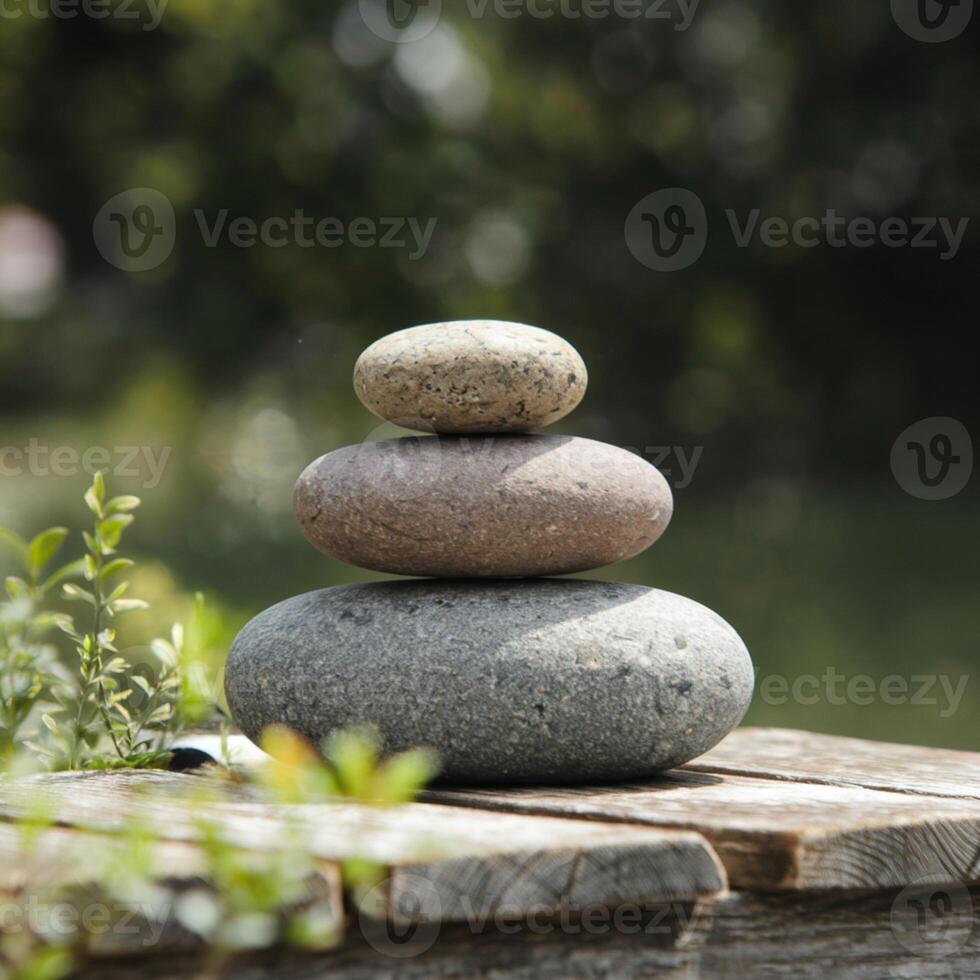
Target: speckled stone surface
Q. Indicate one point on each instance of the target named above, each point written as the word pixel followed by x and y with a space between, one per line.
pixel 483 506
pixel 511 682
pixel 471 376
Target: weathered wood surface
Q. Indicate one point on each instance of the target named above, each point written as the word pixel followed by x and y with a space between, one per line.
pixel 785 810
pixel 856 872
pixel 778 753
pixel 781 835
pixel 62 856
pixel 41 871
pixel 742 936
pixel 443 863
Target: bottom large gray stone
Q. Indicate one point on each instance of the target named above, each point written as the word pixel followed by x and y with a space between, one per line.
pixel 542 680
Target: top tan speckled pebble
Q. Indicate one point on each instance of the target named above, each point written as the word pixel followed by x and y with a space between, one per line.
pixel 471 376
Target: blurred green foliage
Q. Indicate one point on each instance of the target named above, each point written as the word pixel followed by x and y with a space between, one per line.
pixel 529 140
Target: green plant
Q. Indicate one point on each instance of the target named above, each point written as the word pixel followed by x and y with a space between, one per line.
pixel 237 898
pixel 104 712
pixel 350 766
pixel 30 671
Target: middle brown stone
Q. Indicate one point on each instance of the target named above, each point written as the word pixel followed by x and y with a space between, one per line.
pixel 479 506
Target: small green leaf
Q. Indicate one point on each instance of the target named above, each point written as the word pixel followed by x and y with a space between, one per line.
pixel 70 591
pixel 164 713
pixel 91 567
pixel 67 625
pixel 143 684
pixel 125 502
pixel 117 592
pixel 66 571
pixel 16 587
pixel 49 723
pixel 164 651
pixel 107 637
pixel 120 521
pixel 17 545
pixel 47 963
pixel 399 779
pixel 95 495
pixel 109 531
pixel 126 605
pixel 354 756
pixel 61 620
pixel 44 546
pixel 116 565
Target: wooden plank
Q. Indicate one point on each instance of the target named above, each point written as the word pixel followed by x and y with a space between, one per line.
pixel 779 753
pixel 803 845
pixel 60 856
pixel 443 864
pixel 778 835
pixel 913 933
pixel 843 935
pixel 53 873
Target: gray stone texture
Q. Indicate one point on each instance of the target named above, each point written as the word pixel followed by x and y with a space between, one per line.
pixel 562 681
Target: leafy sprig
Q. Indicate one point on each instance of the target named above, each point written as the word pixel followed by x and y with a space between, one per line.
pixel 104 712
pixel 30 672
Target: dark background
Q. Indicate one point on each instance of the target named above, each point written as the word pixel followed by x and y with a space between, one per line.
pixel 792 370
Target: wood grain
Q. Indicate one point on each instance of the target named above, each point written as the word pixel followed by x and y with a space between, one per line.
pixel 778 753
pixel 772 834
pixel 62 856
pixel 444 864
pixel 741 936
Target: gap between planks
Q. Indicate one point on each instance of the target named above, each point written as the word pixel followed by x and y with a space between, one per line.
pixel 773 833
pixel 790 812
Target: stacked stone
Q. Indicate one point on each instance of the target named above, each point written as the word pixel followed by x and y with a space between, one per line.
pixel 510 677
